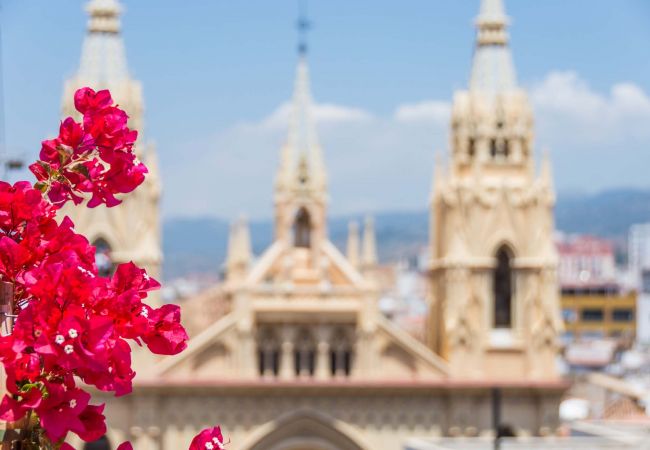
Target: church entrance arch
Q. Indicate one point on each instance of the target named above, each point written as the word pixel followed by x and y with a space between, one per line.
pixel 305 431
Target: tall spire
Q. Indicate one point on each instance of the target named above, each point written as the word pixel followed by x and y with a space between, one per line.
pixel 103 59
pixel 492 69
pixel 301 158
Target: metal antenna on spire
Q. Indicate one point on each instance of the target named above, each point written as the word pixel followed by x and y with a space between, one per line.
pixel 303 25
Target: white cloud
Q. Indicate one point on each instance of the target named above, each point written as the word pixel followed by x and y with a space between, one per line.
pixel 426 111
pixel 566 105
pixel 597 140
pixel 324 113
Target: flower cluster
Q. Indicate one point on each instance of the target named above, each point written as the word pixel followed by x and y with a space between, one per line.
pixel 208 439
pixel 71 324
pixel 93 157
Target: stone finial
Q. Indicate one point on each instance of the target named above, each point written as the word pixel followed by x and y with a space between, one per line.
pixel 369 250
pixel 353 243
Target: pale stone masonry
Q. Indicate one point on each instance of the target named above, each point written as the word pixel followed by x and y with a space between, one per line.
pixel 291 351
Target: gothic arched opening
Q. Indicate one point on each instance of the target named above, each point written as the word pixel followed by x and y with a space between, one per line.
pixel 503 288
pixel 341 353
pixel 302 229
pixel 305 430
pixel 103 259
pixel 305 353
pixel 268 351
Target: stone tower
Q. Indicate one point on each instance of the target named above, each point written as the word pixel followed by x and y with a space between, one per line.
pixel 130 231
pixel 494 302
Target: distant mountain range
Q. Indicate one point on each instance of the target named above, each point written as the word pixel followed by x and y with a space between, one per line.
pixel 198 245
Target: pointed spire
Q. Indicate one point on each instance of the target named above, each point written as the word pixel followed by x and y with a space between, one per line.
pixel 353 243
pixel 302 139
pixel 239 249
pixel 492 69
pixel 369 250
pixel 103 59
pixel 302 149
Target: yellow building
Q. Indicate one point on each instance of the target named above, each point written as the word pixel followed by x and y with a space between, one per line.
pixel 599 313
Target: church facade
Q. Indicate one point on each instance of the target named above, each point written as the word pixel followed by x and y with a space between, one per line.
pixel 291 352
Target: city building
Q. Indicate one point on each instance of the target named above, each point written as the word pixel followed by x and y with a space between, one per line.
pixel 292 352
pixel 594 303
pixel 131 230
pixel 639 270
pixel 638 253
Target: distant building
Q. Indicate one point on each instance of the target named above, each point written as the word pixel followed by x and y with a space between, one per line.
pixel 643 309
pixel 638 249
pixel 586 262
pixel 639 271
pixel 594 304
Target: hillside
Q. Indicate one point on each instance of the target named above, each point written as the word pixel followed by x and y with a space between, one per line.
pixel 198 245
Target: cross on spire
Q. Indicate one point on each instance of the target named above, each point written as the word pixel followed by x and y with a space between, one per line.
pixel 304 25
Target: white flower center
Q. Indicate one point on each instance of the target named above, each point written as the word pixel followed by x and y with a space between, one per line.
pixel 73 403
pixel 144 312
pixel 85 271
pixel 209 445
pixel 59 339
pixel 72 333
pixel 68 349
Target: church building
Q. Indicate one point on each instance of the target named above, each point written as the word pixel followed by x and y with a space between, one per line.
pixel 291 352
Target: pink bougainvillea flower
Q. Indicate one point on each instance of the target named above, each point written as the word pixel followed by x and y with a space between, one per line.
pixel 208 439
pixel 72 324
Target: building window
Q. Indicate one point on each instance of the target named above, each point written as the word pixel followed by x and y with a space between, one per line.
pixel 341 354
pixel 268 351
pixel 302 229
pixel 592 315
pixel 305 354
pixel 622 315
pixel 103 260
pixel 502 286
pixel 471 148
pixel 569 315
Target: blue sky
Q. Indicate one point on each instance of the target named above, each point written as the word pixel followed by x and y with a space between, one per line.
pixel 216 74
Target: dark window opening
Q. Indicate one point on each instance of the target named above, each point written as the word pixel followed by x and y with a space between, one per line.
pixel 302 229
pixel 471 147
pixel 341 353
pixel 503 290
pixel 592 315
pixel 305 354
pixel 268 353
pixel 622 315
pixel 493 148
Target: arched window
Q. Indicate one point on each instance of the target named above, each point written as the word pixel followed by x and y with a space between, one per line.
pixel 302 229
pixel 268 351
pixel 305 353
pixel 341 353
pixel 100 444
pixel 502 286
pixel 103 258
